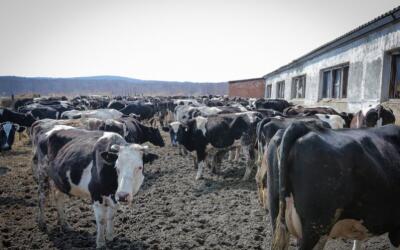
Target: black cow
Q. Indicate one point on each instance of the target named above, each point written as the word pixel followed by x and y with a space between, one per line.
pixel 275 104
pixel 7 133
pixel 21 119
pixel 325 183
pixel 84 164
pixel 133 131
pixel 144 110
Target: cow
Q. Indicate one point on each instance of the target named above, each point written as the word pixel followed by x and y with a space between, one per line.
pixel 334 121
pixel 101 114
pixel 144 110
pixel 25 120
pixel 344 190
pixel 373 117
pixel 138 133
pixel 7 133
pixel 94 165
pixel 302 111
pixel 221 131
pixel 275 104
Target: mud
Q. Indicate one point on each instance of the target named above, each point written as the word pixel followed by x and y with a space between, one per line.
pixel 172 210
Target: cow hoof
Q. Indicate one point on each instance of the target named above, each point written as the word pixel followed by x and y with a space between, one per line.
pixel 101 245
pixel 110 237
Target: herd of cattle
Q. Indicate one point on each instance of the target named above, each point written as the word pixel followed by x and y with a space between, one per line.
pixel 320 173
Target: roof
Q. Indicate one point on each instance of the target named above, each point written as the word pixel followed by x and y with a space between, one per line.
pixel 246 80
pixel 377 23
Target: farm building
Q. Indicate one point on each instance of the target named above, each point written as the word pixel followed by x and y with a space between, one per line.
pixel 254 87
pixel 360 68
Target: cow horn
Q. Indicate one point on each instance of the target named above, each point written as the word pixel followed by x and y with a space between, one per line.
pixel 16 126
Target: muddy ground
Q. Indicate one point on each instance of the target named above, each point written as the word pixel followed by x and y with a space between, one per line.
pixel 172 210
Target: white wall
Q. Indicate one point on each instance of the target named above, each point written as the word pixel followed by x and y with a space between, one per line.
pixel 367 84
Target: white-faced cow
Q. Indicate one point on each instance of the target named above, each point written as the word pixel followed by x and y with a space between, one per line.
pixel 324 183
pixel 97 165
pixel 7 133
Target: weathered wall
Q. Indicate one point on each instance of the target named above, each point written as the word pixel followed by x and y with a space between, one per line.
pixel 248 88
pixel 368 71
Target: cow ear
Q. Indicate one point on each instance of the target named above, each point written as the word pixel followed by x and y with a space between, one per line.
pixel 109 157
pixel 149 158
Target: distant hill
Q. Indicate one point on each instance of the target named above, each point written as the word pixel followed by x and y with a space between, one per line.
pixel 109 85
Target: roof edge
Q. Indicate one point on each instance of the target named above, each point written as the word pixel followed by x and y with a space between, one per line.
pixel 377 23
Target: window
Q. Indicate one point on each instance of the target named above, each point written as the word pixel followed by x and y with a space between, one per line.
pixel 334 82
pixel 280 89
pixel 394 87
pixel 299 87
pixel 268 91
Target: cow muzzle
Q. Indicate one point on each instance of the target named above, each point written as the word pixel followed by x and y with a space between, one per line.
pixel 123 197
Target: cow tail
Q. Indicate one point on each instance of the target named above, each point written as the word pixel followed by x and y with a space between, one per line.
pixel 292 133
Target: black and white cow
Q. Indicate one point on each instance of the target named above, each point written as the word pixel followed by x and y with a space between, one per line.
pixel 221 131
pixel 373 117
pixel 324 183
pixel 25 120
pixel 7 133
pixel 96 165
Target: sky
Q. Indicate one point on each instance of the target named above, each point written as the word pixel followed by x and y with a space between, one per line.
pixel 182 40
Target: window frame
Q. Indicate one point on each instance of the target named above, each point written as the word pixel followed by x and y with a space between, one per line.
pixel 392 74
pixel 278 89
pixel 343 84
pixel 294 91
pixel 268 91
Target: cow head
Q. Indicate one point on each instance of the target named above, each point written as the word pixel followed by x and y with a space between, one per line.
pixel 129 160
pixel 155 137
pixel 7 132
pixel 174 128
pixel 29 119
pixel 379 116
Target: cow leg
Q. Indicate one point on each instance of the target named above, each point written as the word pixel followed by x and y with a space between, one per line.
pixel 231 155
pixel 59 201
pixel 356 245
pixel 43 191
pixel 200 168
pixel 100 213
pixel 110 223
pixel 237 154
pixel 250 156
